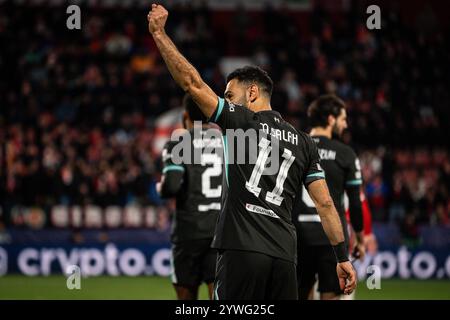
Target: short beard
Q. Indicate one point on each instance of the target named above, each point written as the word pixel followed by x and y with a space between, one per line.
pixel 335 133
pixel 243 103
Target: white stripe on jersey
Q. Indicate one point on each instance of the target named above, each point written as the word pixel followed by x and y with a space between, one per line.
pixel 207 207
pixel 309 218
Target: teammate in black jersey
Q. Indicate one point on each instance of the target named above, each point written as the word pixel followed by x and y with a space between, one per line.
pixel 197 188
pixel 255 234
pixel 328 118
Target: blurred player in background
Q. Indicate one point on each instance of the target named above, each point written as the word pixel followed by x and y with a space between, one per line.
pixel 197 188
pixel 328 117
pixel 370 241
pixel 255 234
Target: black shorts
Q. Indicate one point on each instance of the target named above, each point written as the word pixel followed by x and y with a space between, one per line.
pixel 247 275
pixel 193 262
pixel 316 261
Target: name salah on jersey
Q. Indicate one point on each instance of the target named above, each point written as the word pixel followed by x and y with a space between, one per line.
pixel 280 134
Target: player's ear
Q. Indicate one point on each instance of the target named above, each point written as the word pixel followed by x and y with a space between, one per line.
pixel 331 120
pixel 253 93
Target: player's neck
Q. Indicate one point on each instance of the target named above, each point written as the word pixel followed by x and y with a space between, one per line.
pixel 319 131
pixel 260 105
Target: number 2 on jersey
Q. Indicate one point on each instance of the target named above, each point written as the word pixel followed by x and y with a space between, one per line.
pixel 214 171
pixel 273 196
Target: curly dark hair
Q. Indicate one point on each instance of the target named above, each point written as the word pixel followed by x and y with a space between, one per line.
pixel 253 74
pixel 322 107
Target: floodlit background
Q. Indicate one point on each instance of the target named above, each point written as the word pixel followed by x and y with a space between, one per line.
pixel 84 115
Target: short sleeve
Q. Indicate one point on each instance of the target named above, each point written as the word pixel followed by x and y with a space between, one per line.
pixel 230 116
pixel 168 164
pixel 353 176
pixel 313 171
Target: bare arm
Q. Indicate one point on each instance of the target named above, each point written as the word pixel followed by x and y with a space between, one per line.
pixel 331 223
pixel 318 190
pixel 356 219
pixel 179 67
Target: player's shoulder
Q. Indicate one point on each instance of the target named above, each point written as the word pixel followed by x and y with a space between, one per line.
pixel 344 149
pixel 241 112
pixel 212 129
pixel 232 107
pixel 291 127
pixel 207 129
pixel 180 136
pixel 169 144
pixel 306 145
pixel 237 114
pixel 304 137
pixel 166 154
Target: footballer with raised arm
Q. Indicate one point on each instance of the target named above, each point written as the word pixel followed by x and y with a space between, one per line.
pixel 255 235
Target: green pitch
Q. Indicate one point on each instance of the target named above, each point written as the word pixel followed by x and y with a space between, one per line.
pixel 54 287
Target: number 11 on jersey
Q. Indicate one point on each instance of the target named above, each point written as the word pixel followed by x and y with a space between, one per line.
pixel 273 196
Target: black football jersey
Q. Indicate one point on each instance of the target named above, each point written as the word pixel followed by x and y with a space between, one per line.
pixel 198 200
pixel 263 174
pixel 342 170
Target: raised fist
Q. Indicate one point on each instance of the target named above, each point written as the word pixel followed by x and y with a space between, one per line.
pixel 157 18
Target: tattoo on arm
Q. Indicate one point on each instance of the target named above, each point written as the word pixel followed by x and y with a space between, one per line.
pixel 331 222
pixel 185 74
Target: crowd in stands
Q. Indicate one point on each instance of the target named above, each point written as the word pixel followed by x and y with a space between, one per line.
pixel 78 108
